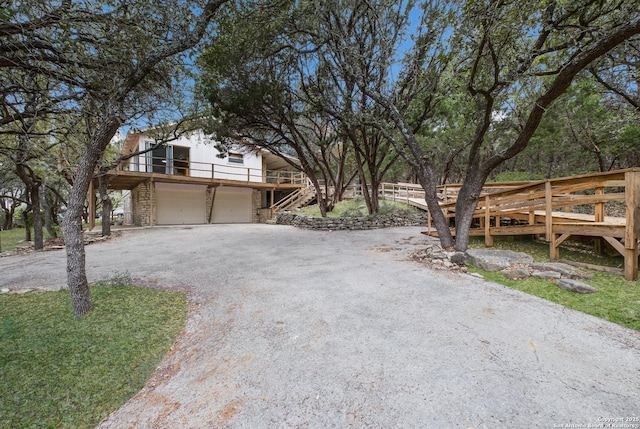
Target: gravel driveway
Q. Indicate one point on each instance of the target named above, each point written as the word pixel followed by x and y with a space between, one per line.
pixel 303 329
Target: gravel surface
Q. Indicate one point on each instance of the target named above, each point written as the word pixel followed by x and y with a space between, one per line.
pixel 302 329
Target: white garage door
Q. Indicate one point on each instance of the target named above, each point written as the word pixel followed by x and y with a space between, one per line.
pixel 180 206
pixel 232 205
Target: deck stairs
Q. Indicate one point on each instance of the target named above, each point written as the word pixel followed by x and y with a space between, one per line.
pixel 295 200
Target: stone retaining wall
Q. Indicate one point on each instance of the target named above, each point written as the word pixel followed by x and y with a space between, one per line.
pixel 350 223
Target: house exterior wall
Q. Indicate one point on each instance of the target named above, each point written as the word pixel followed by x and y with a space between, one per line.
pixel 204 160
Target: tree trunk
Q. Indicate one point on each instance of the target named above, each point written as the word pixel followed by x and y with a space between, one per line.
pixel 322 202
pixel 32 185
pixel 27 225
pixel 8 210
pixel 428 183
pixel 375 201
pixel 38 234
pixel 48 218
pixel 465 207
pixel 107 204
pixel 72 225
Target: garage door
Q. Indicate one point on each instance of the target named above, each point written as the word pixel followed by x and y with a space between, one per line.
pixel 180 206
pixel 232 205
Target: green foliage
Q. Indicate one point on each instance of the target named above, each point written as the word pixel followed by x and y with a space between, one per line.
pixel 57 370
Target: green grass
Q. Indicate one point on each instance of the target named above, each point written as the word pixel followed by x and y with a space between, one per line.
pixel 617 299
pixel 59 371
pixel 355 208
pixel 11 238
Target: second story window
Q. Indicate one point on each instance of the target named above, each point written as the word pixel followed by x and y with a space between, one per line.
pixel 236 158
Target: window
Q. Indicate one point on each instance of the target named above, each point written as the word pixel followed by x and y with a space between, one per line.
pixel 168 160
pixel 236 158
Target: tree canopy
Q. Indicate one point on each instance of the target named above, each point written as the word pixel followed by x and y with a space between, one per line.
pixel 456 89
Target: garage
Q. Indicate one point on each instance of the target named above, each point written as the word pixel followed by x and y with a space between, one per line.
pixel 232 205
pixel 180 204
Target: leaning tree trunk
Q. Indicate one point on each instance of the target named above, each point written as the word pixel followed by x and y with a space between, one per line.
pixel 428 183
pixel 72 225
pixel 465 207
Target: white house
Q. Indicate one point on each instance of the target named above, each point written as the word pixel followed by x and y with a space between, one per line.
pixel 187 182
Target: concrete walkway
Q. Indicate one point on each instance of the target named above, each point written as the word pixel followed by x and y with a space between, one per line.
pixel 304 329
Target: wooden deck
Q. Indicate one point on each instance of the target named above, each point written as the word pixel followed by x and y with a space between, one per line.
pixel 556 208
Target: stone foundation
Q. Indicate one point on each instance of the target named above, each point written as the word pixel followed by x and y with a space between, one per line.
pixel 141 204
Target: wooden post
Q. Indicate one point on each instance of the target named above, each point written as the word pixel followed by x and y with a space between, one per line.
pixel 554 251
pixel 92 206
pixel 213 173
pixel 532 213
pixel 632 201
pixel 598 244
pixel 548 212
pixel 488 239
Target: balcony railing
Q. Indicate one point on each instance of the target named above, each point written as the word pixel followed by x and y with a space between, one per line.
pixel 187 168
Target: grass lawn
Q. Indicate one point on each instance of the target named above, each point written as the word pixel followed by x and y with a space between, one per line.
pixel 617 299
pixel 59 371
pixel 12 238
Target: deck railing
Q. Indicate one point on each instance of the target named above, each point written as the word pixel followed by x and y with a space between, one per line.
pixel 188 168
pixel 556 209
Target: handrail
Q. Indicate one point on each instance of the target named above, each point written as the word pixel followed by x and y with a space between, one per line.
pixel 293 198
pixel 188 168
pixel 544 207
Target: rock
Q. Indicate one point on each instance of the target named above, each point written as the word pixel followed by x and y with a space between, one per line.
pixel 4 290
pixel 458 258
pixel 496 260
pixel 546 275
pixel 565 270
pixel 514 273
pixel 575 286
pixel 438 255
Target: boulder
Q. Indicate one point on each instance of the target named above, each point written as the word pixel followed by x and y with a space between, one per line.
pixel 575 286
pixel 458 258
pixel 514 273
pixel 496 260
pixel 546 275
pixel 565 270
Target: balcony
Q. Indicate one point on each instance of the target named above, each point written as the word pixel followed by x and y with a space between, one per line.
pixel 161 169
